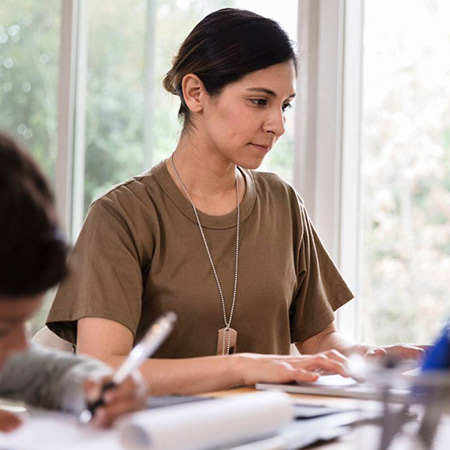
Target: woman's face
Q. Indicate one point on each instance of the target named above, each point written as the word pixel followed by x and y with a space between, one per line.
pixel 245 120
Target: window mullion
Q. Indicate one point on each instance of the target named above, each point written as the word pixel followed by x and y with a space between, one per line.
pixel 79 130
pixel 350 210
pixel 66 90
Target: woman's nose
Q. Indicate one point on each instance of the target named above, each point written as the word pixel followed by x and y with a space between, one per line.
pixel 275 123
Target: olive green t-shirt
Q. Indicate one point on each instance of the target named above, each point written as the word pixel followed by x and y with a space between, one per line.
pixel 140 254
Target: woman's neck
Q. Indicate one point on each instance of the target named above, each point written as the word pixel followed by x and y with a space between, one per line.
pixel 209 178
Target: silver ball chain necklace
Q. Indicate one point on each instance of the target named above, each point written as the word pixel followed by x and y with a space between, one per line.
pixel 227 336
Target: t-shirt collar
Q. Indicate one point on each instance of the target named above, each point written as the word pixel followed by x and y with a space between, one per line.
pixel 182 203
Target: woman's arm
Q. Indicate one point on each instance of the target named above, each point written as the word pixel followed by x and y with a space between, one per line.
pixel 111 342
pixel 330 338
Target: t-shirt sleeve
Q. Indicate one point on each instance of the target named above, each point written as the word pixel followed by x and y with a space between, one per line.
pixel 321 289
pixel 105 276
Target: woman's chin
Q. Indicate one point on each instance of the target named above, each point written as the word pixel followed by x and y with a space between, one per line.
pixel 250 164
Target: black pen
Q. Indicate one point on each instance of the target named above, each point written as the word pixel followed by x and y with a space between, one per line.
pixel 154 337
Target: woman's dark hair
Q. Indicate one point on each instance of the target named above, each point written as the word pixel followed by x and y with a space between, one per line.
pixel 32 247
pixel 225 46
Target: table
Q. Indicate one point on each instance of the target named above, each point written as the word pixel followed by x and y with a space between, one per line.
pixel 364 437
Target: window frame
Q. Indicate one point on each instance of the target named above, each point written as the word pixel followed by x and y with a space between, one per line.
pixel 71 125
pixel 327 165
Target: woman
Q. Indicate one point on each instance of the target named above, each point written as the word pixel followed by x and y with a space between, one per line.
pixel 232 252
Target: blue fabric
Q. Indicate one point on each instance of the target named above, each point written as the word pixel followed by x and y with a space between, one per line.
pixel 438 357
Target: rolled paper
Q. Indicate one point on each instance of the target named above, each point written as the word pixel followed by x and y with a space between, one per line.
pixel 209 424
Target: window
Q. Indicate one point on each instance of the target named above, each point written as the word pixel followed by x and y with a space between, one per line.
pixel 115 86
pixel 29 54
pixel 405 170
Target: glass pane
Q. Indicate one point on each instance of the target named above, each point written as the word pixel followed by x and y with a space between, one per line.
pixel 406 170
pixel 29 52
pixel 116 85
pixel 116 36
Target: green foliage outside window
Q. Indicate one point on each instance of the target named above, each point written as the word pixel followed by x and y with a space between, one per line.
pixel 29 55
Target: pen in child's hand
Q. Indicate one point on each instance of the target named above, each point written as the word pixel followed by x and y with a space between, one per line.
pixel 154 337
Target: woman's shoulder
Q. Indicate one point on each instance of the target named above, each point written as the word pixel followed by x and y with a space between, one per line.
pixel 274 185
pixel 136 192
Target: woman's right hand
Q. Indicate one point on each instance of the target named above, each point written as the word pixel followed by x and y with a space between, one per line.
pixel 111 342
pixel 255 368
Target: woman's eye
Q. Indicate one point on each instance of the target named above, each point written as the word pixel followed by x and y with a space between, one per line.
pixel 259 101
pixel 286 106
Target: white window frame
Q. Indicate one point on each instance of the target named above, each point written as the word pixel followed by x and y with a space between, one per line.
pixel 327 141
pixel 351 194
pixel 71 122
pixel 66 100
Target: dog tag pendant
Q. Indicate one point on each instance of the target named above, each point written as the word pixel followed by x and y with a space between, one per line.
pixel 226 341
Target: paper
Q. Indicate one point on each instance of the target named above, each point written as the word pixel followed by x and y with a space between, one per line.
pixel 194 425
pixel 55 431
pixel 210 424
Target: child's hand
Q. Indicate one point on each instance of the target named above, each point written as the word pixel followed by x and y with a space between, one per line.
pixel 127 397
pixel 8 421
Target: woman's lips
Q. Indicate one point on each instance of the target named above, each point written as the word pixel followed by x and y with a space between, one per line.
pixel 262 148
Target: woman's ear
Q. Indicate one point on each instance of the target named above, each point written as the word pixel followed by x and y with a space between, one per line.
pixel 194 92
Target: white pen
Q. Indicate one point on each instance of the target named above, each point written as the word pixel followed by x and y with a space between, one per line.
pixel 154 337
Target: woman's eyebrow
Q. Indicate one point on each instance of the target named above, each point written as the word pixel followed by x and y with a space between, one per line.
pixel 268 91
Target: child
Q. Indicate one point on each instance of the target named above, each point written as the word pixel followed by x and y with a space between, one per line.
pixel 32 259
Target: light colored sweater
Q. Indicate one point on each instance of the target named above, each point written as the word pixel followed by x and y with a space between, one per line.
pixel 48 379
